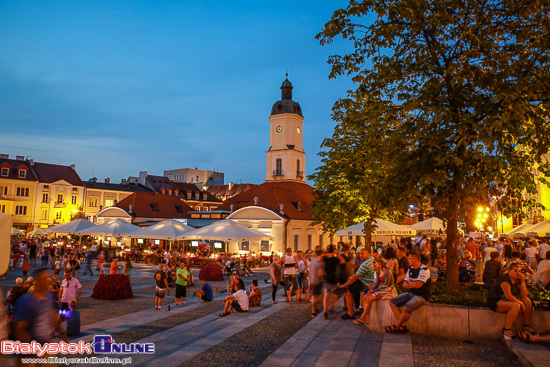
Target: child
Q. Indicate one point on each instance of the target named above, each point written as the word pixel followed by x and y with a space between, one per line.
pixel 205 293
pixel 73 319
pixel 57 266
pixel 26 266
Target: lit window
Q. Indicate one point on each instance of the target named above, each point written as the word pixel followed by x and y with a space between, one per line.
pixel 60 198
pixel 109 202
pixel 22 173
pixel 244 246
pixel 5 172
pixel 93 202
pixel 58 215
pixel 264 246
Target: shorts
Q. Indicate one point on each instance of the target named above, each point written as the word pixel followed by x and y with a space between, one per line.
pixel 303 281
pixel 237 307
pixel 288 280
pixel 181 291
pixel 160 292
pixel 356 288
pixel 203 298
pixel 329 287
pixel 409 301
pixel 299 279
pixel 317 290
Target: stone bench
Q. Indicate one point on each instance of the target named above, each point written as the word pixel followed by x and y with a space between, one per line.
pixel 454 321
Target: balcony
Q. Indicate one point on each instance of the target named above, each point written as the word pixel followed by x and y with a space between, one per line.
pixel 278 173
pixel 300 174
pixel 60 204
pixel 7 197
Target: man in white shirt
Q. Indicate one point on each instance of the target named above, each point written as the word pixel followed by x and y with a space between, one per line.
pixel 543 249
pixel 68 290
pixel 237 301
pixel 542 277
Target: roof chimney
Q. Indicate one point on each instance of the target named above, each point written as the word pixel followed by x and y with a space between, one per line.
pixel 281 207
pixel 31 161
pixel 108 180
pixel 256 199
pixel 20 158
pixel 124 182
pixel 5 156
pixel 230 185
pixel 73 167
pixel 232 207
pixel 131 209
pixel 143 177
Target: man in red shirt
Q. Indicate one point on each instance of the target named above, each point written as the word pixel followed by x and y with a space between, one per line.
pixel 473 248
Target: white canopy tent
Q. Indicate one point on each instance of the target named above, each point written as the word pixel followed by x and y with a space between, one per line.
pixel 6 222
pixel 39 232
pixel 383 228
pixel 541 229
pixel 519 231
pixel 225 230
pixel 169 229
pixel 432 227
pixel 115 227
pixel 71 227
pixel 16 232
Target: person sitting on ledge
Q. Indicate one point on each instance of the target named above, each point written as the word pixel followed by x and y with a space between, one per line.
pixel 255 297
pixel 509 295
pixel 418 282
pixel 467 268
pixel 205 294
pixel 237 301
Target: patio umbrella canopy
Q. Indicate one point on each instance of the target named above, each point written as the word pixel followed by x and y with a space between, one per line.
pixel 114 227
pixel 169 229
pixel 383 228
pixel 538 230
pixel 39 232
pixel 518 231
pixel 71 227
pixel 6 222
pixel 225 230
pixel 16 232
pixel 432 226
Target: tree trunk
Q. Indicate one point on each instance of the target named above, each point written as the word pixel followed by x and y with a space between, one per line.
pixel 452 248
pixel 368 235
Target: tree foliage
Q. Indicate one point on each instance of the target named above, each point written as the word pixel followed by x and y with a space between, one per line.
pixel 466 84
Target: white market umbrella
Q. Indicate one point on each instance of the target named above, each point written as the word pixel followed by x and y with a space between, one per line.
pixel 16 232
pixel 432 226
pixel 72 227
pixel 225 230
pixel 518 231
pixel 39 232
pixel 113 227
pixel 383 228
pixel 538 230
pixel 6 222
pixel 169 229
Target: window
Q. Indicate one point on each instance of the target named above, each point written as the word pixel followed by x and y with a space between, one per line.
pixel 75 189
pixel 58 215
pixel 309 241
pixel 204 196
pixel 60 198
pixel 210 179
pixel 22 173
pixel 20 210
pixel 179 209
pixel 321 240
pixel 198 208
pixel 3 190
pixel 244 246
pixel 5 172
pixel 298 173
pixel 264 246
pixel 2 208
pixel 279 167
pixel 46 186
pixel 93 202
pixel 188 196
pixel 154 207
pixel 74 199
pixel 45 197
pixel 109 202
pixel 296 240
pixel 205 208
pixel 197 196
pixel 22 191
pixel 44 215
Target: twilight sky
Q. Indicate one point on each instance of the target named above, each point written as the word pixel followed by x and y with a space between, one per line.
pixel 116 87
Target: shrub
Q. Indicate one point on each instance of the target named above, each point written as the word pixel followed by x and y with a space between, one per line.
pixel 112 287
pixel 211 272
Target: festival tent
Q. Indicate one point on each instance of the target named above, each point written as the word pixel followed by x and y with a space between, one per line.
pixel 431 227
pixel 115 227
pixel 383 228
pixel 169 229
pixel 541 229
pixel 6 222
pixel 225 230
pixel 518 231
pixel 71 227
pixel 39 232
pixel 16 232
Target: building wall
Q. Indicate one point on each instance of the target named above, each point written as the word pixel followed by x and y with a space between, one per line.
pixel 190 175
pixel 10 201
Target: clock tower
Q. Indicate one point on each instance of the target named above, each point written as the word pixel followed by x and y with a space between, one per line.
pixel 286 159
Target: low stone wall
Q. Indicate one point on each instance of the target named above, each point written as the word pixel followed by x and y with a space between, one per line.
pixel 454 321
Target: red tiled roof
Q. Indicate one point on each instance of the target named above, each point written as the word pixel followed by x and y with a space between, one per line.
pixel 49 173
pixel 272 194
pixel 14 166
pixel 166 205
pixel 185 187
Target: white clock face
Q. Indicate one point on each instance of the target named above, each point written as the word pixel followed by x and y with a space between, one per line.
pixel 279 129
pixel 298 130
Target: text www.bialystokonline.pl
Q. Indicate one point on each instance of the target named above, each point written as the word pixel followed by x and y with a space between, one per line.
pixel 64 360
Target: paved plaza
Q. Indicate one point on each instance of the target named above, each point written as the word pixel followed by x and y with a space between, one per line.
pixel 278 334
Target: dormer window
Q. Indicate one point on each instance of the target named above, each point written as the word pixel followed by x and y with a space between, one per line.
pixel 188 196
pixel 154 207
pixel 176 193
pixel 179 209
pixel 204 197
pixel 22 173
pixel 197 196
pixel 5 172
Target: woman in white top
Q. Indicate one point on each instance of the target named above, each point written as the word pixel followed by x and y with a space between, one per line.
pixel 531 252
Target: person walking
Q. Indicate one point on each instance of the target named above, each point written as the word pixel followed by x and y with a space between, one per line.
pixel 68 291
pixel 182 276
pixel 89 259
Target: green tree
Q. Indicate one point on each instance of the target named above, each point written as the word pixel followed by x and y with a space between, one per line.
pixel 468 80
pixel 79 214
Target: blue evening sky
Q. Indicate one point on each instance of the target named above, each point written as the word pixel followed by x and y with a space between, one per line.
pixel 116 87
